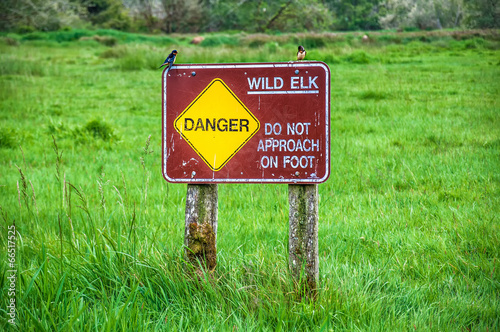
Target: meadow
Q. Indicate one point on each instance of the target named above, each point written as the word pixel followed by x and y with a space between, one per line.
pixel 409 235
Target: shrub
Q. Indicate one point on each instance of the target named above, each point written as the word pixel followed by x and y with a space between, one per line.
pixel 388 39
pixel 68 35
pixel 35 36
pixel 99 129
pixel 218 40
pixel 9 41
pixel 325 57
pixel 272 47
pixel 373 95
pixel 7 138
pixel 115 52
pixel 255 41
pixel 10 66
pixel 314 41
pixel 25 29
pixel 134 57
pixel 358 57
pixel 475 43
pixel 106 40
pixel 131 62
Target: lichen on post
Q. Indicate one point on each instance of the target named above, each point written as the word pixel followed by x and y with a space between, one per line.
pixel 303 235
pixel 200 235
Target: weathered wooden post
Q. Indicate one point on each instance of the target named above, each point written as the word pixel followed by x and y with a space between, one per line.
pixel 303 235
pixel 200 235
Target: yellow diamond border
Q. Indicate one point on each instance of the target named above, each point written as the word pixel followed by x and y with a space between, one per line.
pixel 194 101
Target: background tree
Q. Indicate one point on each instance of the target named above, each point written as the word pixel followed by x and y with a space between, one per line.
pixel 41 15
pixel 181 15
pixel 355 14
pixel 265 15
pixel 146 13
pixel 108 14
pixel 483 13
pixel 422 14
pixel 248 15
pixel 303 15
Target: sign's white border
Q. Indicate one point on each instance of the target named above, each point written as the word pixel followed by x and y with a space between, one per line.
pixel 250 65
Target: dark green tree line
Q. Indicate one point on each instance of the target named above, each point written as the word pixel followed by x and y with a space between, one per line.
pixel 248 15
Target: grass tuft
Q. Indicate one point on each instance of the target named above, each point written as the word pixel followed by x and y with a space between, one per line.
pixel 219 40
pixel 134 57
pixel 373 95
pixel 115 52
pixel 11 66
pixel 9 41
pixel 7 138
pixel 358 57
pixel 99 129
pixel 104 40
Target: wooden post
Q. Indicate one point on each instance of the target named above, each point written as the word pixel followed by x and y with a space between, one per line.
pixel 200 235
pixel 303 235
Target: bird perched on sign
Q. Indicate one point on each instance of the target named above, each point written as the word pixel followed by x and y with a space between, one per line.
pixel 169 61
pixel 301 54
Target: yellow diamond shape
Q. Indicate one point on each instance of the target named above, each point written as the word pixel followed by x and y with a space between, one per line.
pixel 216 124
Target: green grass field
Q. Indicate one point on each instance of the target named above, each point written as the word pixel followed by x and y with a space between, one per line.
pixel 409 234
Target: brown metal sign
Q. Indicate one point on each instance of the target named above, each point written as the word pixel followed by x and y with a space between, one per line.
pixel 252 122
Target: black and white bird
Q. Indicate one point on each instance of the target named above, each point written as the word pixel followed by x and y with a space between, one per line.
pixel 301 54
pixel 169 61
